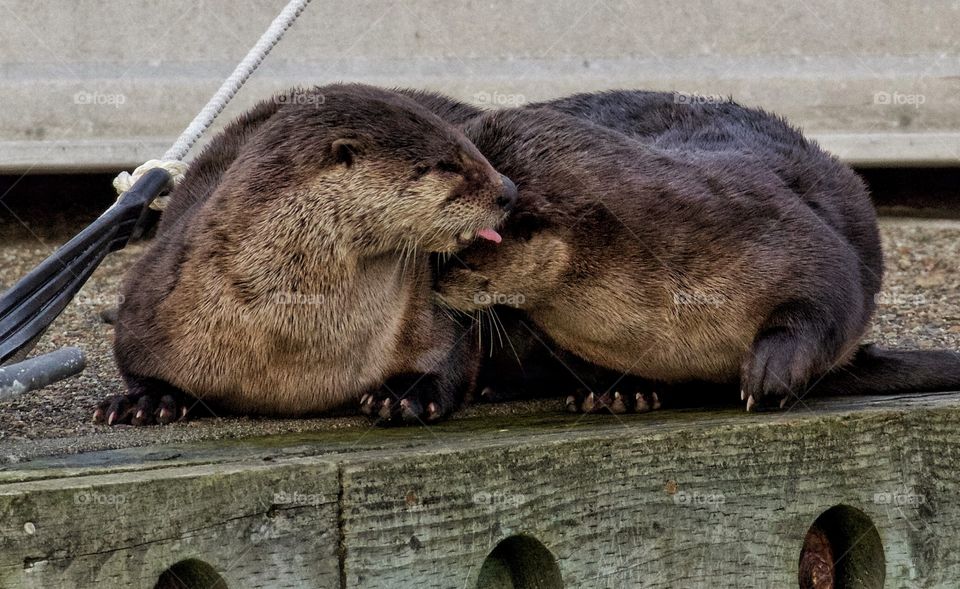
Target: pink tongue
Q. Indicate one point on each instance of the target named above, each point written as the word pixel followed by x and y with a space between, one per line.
pixel 489 235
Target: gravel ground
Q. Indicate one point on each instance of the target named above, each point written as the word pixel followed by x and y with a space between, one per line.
pixel 920 308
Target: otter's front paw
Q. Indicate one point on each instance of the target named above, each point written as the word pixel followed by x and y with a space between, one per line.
pixel 405 401
pixel 141 408
pixel 615 402
pixel 464 290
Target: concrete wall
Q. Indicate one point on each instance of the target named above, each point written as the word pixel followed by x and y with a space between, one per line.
pixel 100 84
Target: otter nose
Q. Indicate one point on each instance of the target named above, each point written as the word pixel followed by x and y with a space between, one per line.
pixel 508 197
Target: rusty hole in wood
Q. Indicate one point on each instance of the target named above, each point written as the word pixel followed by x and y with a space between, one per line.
pixel 520 562
pixel 191 573
pixel 842 550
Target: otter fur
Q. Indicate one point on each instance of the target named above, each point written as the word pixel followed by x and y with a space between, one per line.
pixel 290 273
pixel 685 243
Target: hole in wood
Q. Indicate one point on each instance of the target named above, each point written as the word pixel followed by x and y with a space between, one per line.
pixel 842 550
pixel 190 574
pixel 520 562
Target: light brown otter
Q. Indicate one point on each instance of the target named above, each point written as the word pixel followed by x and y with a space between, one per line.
pixel 290 272
pixel 678 243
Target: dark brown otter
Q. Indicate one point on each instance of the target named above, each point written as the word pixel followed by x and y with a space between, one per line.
pixel 687 242
pixel 290 272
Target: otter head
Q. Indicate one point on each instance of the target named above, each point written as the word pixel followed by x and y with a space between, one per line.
pixel 392 174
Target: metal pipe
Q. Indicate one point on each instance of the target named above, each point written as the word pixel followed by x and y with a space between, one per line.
pixel 40 371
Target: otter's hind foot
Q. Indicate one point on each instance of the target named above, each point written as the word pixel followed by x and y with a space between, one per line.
pixel 615 402
pixel 146 402
pixel 406 400
pixel 776 370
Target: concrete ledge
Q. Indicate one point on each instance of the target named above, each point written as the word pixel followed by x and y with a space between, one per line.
pixel 680 498
pixel 858 149
pixel 101 85
pixel 894 149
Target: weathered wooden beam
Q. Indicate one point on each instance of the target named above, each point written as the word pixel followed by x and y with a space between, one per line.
pixel 677 499
pixel 249 521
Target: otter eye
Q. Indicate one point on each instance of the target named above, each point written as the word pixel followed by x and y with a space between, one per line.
pixel 420 171
pixel 451 167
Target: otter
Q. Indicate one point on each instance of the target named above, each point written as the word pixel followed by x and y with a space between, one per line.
pixel 680 243
pixel 290 272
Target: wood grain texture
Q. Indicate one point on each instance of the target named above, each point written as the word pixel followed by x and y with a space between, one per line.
pixel 259 525
pixel 680 499
pixel 724 506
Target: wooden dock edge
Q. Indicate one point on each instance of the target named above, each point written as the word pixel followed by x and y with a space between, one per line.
pixel 631 503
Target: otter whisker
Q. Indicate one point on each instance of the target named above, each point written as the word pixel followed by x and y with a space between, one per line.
pixel 479 330
pixel 507 335
pixel 494 326
pixel 447 312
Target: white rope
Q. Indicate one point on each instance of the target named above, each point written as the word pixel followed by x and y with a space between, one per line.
pixel 172 159
pixel 125 180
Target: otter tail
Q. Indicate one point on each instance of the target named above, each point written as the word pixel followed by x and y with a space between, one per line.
pixel 878 371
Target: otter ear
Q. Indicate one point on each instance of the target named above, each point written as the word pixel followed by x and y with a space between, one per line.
pixel 345 151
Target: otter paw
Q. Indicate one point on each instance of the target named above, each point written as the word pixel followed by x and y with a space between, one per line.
pixel 774 372
pixel 616 402
pixel 148 401
pixel 141 409
pixel 388 408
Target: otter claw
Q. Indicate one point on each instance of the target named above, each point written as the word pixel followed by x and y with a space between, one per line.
pixel 142 407
pixel 590 403
pixel 642 405
pixel 410 410
pixel 647 402
pixel 366 404
pixel 618 405
pixel 385 409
